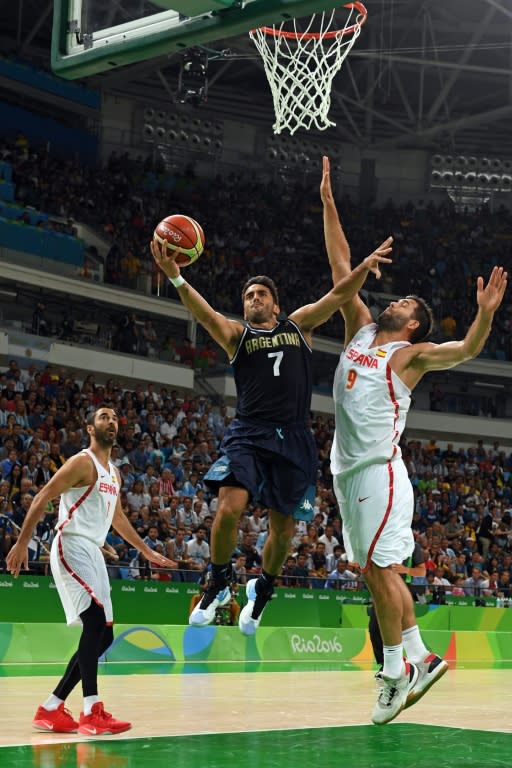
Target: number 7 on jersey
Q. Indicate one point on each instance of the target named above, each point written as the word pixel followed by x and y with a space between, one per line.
pixel 277 361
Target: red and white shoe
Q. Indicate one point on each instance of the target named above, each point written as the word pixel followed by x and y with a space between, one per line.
pixel 430 670
pixel 101 723
pixel 58 720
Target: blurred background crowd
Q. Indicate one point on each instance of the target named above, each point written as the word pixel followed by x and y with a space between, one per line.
pixel 168 439
pixel 270 228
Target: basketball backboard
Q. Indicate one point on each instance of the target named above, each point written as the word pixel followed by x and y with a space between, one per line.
pixel 91 36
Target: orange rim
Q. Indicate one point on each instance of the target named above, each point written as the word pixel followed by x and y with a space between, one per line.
pixel 359 7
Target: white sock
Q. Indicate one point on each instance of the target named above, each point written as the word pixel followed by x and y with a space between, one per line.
pixel 414 646
pixel 393 661
pixel 88 702
pixel 52 702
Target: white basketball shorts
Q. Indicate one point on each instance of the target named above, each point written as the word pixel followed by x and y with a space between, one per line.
pixel 376 506
pixel 80 575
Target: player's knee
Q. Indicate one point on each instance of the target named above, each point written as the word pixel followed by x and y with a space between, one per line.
pixel 227 513
pixel 282 526
pixel 94 619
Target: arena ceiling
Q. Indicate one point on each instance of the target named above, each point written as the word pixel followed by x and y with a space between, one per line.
pixel 435 74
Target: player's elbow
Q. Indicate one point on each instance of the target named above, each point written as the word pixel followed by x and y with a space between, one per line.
pixel 469 351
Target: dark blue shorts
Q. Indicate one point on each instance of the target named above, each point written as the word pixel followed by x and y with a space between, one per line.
pixel 277 465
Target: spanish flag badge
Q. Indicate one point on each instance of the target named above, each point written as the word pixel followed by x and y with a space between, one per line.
pixel 381 353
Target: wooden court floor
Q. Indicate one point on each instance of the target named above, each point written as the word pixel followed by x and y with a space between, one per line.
pixel 268 719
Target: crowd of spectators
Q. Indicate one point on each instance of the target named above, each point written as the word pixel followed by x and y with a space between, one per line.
pixel 271 226
pixel 166 442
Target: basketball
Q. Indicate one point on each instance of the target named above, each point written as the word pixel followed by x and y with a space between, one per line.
pixel 182 234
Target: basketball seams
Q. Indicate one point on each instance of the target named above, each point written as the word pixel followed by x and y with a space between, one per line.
pixel 198 234
pixel 170 224
pixel 190 252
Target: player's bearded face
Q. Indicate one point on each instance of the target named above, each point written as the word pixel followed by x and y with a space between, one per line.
pixel 392 321
pixel 105 434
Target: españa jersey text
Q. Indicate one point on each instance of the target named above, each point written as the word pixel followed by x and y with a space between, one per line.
pixel 88 511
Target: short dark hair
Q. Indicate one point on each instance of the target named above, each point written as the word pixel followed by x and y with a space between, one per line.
pixel 261 280
pixel 423 314
pixel 89 419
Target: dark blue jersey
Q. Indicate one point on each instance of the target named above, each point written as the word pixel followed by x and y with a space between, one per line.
pixel 273 375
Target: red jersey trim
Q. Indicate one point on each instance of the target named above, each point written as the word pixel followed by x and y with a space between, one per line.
pixel 75 506
pixel 385 518
pixel 75 576
pixel 396 407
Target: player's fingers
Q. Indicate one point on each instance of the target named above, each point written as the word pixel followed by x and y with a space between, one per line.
pixel 503 285
pixel 161 254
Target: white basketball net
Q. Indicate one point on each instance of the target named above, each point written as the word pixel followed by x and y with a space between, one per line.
pixel 300 69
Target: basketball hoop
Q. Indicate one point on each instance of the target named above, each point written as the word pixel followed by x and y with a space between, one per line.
pixel 300 65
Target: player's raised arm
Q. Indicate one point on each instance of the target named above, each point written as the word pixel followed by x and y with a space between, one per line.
pixel 225 332
pixel 432 357
pixel 338 249
pixel 354 310
pixel 313 315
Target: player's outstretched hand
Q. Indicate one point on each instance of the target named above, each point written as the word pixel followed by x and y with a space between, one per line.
pixel 379 256
pixel 325 185
pixel 165 258
pixel 158 560
pixel 17 559
pixel 490 297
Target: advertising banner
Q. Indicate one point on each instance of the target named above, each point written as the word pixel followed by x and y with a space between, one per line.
pixel 169 649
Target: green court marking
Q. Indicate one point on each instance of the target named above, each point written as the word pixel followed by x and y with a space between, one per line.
pixel 392 746
pixel 56 669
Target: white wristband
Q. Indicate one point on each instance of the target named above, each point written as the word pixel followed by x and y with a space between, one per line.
pixel 177 281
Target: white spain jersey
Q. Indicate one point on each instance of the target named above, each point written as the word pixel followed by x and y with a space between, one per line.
pixel 371 404
pixel 88 511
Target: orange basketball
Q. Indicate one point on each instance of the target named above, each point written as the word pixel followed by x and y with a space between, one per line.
pixel 182 234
